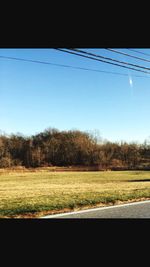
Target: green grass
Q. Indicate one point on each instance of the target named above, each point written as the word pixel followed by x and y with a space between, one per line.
pixel 33 194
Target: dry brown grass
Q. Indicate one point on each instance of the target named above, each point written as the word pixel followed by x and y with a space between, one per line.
pixel 31 194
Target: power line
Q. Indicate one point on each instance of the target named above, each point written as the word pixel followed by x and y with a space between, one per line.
pixel 125 54
pixel 55 64
pixel 34 61
pixel 139 52
pixel 108 58
pixel 70 66
pixel 115 64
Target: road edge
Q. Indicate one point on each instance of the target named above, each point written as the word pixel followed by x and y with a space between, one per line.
pixel 93 209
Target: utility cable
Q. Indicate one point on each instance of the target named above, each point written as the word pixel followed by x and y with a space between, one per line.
pixel 139 52
pixel 104 61
pixel 108 58
pixel 125 54
pixel 69 66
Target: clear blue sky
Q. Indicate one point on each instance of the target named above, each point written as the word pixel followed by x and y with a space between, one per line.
pixel 34 97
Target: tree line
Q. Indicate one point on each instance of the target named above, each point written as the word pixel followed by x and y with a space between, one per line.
pixel 71 148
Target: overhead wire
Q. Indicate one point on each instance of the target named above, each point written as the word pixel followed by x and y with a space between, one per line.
pixel 68 66
pixel 108 58
pixel 104 61
pixel 139 52
pixel 60 65
pixel 125 54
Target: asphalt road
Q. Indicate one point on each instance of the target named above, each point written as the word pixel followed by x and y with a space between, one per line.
pixel 130 210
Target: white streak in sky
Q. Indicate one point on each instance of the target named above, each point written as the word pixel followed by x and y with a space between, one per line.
pixel 130 81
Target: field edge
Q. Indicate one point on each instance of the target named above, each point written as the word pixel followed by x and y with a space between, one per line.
pixel 40 214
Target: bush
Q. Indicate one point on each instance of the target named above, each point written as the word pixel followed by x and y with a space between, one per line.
pixel 5 162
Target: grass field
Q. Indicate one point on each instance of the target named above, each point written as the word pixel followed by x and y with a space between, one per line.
pixel 33 194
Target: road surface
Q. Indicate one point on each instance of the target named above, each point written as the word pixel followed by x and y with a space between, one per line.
pixel 131 210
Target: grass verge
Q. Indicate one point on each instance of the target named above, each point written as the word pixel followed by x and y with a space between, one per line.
pixel 31 195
